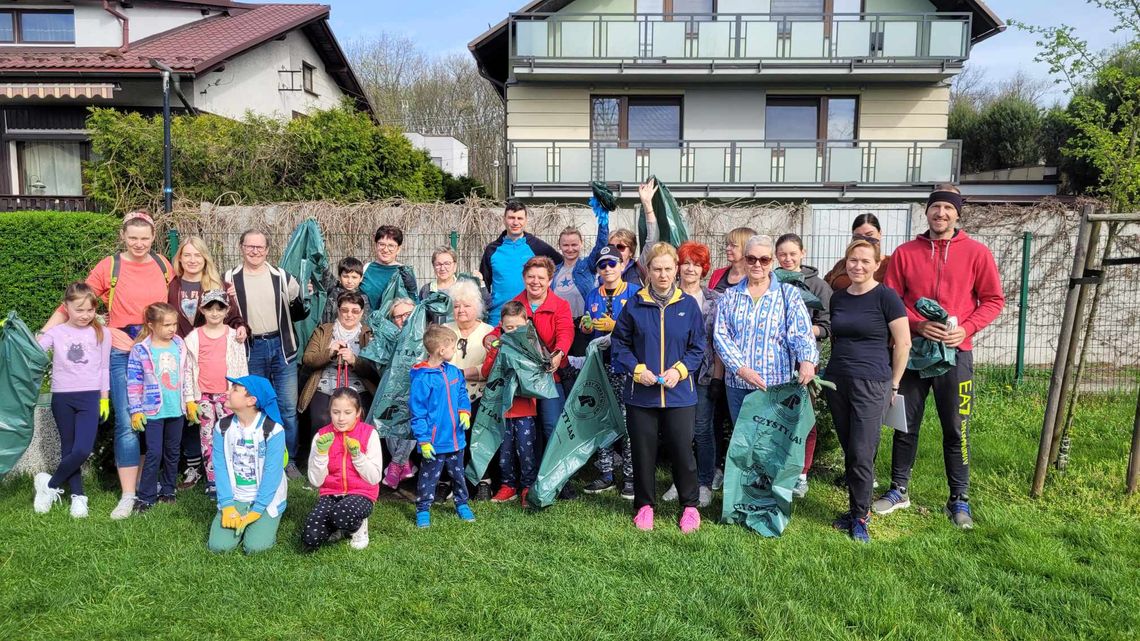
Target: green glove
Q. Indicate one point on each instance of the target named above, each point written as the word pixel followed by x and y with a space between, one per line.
pixel 428 451
pixel 353 445
pixel 324 442
pixel 104 409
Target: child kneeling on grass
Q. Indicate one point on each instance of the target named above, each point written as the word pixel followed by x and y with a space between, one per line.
pixel 249 467
pixel 441 412
pixel 346 463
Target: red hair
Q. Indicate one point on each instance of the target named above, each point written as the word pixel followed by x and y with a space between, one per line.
pixel 691 251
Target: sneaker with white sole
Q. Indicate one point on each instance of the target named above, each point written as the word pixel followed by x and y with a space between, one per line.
pixel 627 489
pixel 670 494
pixel 718 479
pixel 78 506
pixel 704 497
pixel 801 488
pixel 359 539
pixel 896 498
pixel 958 510
pixel 124 509
pixel 190 479
pixel 45 494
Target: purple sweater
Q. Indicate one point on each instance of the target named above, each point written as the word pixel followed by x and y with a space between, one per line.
pixel 79 363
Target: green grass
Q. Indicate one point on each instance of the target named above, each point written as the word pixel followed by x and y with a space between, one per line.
pixel 1063 567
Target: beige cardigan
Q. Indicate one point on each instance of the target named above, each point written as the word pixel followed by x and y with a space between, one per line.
pixel 236 363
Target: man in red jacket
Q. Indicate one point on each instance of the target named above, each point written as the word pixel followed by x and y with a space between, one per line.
pixel 945 265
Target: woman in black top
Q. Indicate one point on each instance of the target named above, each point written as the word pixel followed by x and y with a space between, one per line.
pixel 870 344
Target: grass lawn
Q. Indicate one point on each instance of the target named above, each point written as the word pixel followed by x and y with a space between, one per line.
pixel 1065 567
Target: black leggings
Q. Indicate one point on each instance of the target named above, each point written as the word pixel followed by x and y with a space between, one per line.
pixel 645 424
pixel 331 513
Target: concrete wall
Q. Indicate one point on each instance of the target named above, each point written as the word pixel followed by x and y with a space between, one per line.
pixel 97 28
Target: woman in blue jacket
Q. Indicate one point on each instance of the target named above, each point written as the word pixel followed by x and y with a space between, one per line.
pixel 659 341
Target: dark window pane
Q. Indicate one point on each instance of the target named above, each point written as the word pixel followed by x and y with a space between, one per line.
pixel 47 27
pixel 659 125
pixel 841 119
pixel 605 119
pixel 782 8
pixel 791 121
pixel 7 32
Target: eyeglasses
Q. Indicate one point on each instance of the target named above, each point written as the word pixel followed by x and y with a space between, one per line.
pixel 763 260
pixel 442 264
pixel 351 311
pixel 621 247
pixel 870 239
pixel 388 246
pixel 402 317
pixel 609 264
pixel 254 249
pixel 462 347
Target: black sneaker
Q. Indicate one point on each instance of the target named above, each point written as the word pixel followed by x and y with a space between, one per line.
pixel 568 493
pixel 600 484
pixel 166 498
pixel 443 492
pixel 483 492
pixel 627 489
pixel 141 507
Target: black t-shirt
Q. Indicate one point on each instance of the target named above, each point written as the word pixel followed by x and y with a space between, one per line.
pixel 860 332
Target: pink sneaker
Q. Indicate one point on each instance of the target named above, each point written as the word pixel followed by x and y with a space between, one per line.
pixel 393 475
pixel 690 520
pixel 409 470
pixel 644 518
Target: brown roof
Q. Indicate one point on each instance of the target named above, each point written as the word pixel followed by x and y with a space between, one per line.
pixel 192 48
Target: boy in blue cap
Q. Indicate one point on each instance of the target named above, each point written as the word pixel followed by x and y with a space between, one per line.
pixel 249 465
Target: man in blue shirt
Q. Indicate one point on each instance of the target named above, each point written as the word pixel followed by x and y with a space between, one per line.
pixel 503 259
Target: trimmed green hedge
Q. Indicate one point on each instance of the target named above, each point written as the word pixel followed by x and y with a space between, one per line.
pixel 42 251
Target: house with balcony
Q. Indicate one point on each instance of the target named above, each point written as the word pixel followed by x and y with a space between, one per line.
pixel 830 101
pixel 57 58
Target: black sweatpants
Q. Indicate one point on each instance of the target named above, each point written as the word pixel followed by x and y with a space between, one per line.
pixel 645 425
pixel 953 396
pixel 331 513
pixel 858 405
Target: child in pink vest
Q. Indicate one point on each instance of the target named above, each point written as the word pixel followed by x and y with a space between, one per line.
pixel 345 464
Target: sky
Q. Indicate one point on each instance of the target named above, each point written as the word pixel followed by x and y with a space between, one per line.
pixel 446 26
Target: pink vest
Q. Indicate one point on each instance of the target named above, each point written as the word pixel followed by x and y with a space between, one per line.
pixel 343 477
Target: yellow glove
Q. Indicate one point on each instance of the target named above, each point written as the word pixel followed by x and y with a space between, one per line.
pixel 324 443
pixel 586 324
pixel 246 520
pixel 192 411
pixel 138 422
pixel 104 409
pixel 353 445
pixel 604 324
pixel 230 518
pixel 428 451
pixel 465 419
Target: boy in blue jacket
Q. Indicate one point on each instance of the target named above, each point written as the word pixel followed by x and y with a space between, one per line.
pixel 441 411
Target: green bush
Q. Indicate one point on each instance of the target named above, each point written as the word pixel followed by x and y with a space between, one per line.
pixel 42 251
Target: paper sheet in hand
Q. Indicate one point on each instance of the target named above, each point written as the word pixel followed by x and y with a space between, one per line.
pixel 895 417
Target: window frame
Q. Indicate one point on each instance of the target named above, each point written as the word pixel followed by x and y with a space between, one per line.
pixel 18 26
pixel 663 100
pixel 308 78
pixel 822 110
pixel 85 155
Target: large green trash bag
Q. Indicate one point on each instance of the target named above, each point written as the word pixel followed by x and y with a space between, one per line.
pixel 383 341
pixel 603 195
pixel 393 291
pixel 931 358
pixel 766 456
pixel 796 279
pixel 22 367
pixel 519 370
pixel 389 412
pixel 306 260
pixel 670 223
pixel 591 420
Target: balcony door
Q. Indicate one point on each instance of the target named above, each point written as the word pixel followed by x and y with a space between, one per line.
pixel 814 138
pixel 634 136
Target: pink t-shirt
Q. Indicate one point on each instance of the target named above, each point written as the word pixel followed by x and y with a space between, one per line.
pixel 79 363
pixel 211 363
pixel 140 284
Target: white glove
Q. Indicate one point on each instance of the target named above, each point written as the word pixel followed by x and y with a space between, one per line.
pixel 603 342
pixel 577 361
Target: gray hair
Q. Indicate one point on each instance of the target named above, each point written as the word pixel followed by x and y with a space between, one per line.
pixel 760 240
pixel 402 301
pixel 467 291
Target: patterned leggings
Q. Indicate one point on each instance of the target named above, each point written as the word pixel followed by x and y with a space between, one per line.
pixel 331 513
pixel 211 409
pixel 430 470
pixel 605 462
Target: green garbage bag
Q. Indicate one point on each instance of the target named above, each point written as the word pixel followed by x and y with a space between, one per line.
pixel 393 291
pixel 797 279
pixel 603 195
pixel 520 369
pixel 931 358
pixel 306 260
pixel 389 411
pixel 670 223
pixel 22 367
pixel 591 420
pixel 384 335
pixel 766 456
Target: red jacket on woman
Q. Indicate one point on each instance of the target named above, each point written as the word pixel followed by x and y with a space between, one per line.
pixel 553 321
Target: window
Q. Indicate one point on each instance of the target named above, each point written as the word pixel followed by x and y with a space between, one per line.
pixel 647 121
pixel 810 118
pixel 676 6
pixel 813 10
pixel 37 26
pixel 307 77
pixel 50 168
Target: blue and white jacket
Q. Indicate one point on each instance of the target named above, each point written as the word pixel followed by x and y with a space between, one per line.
pixel 770 335
pixel 270 471
pixel 437 399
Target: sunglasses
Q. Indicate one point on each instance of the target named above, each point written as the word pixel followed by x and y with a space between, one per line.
pixel 621 247
pixel 609 264
pixel 763 260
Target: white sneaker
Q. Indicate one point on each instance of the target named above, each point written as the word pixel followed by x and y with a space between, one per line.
pixel 705 498
pixel 718 479
pixel 78 506
pixel 124 509
pixel 670 494
pixel 45 495
pixel 359 539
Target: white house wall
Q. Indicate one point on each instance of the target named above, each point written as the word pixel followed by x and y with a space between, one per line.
pixel 94 27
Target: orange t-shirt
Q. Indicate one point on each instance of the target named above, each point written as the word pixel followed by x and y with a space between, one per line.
pixel 140 284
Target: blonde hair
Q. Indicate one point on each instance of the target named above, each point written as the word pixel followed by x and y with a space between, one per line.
pixel 856 244
pixel 437 336
pixel 946 187
pixel 211 277
pixel 81 291
pixel 739 237
pixel 154 313
pixel 657 250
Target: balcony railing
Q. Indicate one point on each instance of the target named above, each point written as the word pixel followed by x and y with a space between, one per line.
pixel 716 164
pixel 17 202
pixel 552 38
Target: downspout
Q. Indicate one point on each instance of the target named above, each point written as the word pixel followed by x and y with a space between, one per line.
pixel 124 21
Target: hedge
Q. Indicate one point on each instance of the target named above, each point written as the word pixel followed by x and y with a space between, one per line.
pixel 42 251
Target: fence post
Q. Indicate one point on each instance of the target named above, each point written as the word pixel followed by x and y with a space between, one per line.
pixel 172 242
pixel 454 237
pixel 1023 304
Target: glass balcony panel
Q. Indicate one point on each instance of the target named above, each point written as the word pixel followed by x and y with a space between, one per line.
pixel 531 38
pixel 900 39
pixel 577 39
pixel 668 39
pixel 755 165
pixel 666 165
pixel 621 165
pixel 845 165
pixel 709 165
pixel 800 165
pixel 890 165
pixel 623 39
pixel 530 165
pixel 937 165
pixel 807 40
pixel 852 39
pixel 574 165
pixel 760 39
pixel 714 40
pixel 947 38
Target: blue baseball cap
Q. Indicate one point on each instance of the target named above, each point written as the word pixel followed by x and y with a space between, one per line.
pixel 609 254
pixel 260 388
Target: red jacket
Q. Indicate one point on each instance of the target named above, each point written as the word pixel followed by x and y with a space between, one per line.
pixel 522 405
pixel 960 274
pixel 554 323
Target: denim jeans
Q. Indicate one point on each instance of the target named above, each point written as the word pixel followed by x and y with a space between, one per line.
pixel 267 360
pixel 549 409
pixel 735 400
pixel 703 436
pixel 126 439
